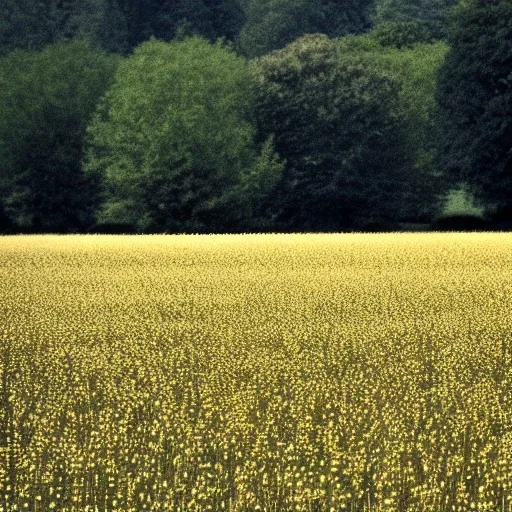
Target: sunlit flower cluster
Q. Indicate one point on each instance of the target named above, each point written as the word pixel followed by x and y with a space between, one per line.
pixel 350 372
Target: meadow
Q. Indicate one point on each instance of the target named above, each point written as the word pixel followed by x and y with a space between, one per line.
pixel 351 372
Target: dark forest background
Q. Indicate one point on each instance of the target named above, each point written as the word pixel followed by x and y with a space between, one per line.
pixel 255 115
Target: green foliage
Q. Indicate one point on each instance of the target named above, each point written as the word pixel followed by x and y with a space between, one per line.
pixel 272 24
pixel 46 101
pixel 211 19
pixel 400 34
pixel 433 15
pixel 340 17
pixel 475 99
pixel 114 25
pixel 415 69
pixel 338 125
pixel 166 20
pixel 101 22
pixel 25 24
pixel 173 143
pixel 459 201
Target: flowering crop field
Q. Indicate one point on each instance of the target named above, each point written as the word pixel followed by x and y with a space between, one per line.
pixel 352 372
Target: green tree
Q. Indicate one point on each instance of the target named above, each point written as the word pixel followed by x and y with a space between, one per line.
pixel 402 34
pixel 475 102
pixel 25 24
pixel 433 15
pixel 166 19
pixel 338 125
pixel 46 101
pixel 114 25
pixel 101 22
pixel 415 69
pixel 272 24
pixel 211 19
pixel 173 142
pixel 339 17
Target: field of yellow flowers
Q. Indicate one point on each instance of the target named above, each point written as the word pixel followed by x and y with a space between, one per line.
pixel 330 373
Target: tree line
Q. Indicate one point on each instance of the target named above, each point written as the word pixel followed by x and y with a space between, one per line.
pixel 245 115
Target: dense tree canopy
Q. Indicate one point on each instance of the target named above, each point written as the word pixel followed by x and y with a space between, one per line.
pixel 348 107
pixel 402 34
pixel 434 15
pixel 25 24
pixel 166 19
pixel 475 98
pixel 101 22
pixel 46 101
pixel 338 125
pixel 173 142
pixel 272 24
pixel 115 25
pixel 415 70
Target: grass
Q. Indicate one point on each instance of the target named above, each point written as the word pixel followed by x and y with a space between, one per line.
pixel 273 372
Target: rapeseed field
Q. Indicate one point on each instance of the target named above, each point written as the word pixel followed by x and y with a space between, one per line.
pixel 350 372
